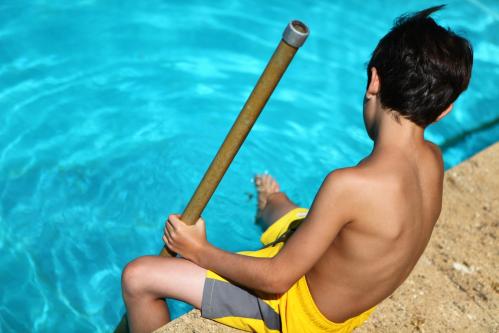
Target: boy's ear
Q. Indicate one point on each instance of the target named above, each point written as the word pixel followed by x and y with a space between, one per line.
pixel 446 112
pixel 373 87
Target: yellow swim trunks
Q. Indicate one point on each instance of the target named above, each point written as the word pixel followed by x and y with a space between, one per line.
pixel 292 312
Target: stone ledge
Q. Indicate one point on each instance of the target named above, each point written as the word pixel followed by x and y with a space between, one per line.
pixel 455 285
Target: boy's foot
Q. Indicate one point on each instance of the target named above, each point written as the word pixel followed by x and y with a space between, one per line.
pixel 265 185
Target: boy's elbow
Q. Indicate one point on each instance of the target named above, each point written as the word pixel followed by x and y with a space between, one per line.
pixel 278 284
pixel 279 278
pixel 282 288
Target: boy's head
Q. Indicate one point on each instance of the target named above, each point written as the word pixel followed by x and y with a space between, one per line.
pixel 420 67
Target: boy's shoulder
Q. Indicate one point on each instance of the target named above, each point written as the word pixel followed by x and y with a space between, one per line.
pixel 350 180
pixel 385 170
pixel 369 169
pixel 356 190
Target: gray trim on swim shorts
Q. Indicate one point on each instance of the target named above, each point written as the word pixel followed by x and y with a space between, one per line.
pixel 222 299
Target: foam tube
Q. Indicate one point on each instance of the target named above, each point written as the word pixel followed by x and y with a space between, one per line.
pixel 294 36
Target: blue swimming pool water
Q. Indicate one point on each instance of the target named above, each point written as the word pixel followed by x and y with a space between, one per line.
pixel 111 111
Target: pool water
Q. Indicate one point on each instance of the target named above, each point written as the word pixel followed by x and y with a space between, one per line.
pixel 111 112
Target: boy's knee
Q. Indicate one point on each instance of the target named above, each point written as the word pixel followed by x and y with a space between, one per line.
pixel 132 277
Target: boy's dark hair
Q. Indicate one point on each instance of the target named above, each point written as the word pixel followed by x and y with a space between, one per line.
pixel 422 67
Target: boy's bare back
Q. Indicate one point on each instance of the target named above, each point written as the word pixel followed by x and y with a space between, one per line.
pixel 395 200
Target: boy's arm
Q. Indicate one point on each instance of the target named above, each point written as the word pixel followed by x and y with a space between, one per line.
pixel 331 210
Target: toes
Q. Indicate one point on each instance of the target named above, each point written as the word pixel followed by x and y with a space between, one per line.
pixel 265 180
pixel 258 180
pixel 266 183
pixel 271 183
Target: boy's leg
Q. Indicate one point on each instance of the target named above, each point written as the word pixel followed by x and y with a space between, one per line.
pixel 272 203
pixel 147 280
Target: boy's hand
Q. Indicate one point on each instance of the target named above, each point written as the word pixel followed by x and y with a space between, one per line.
pixel 187 240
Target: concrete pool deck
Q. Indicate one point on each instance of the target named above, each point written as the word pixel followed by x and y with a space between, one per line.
pixel 455 285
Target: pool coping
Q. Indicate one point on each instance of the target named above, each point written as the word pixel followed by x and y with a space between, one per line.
pixel 455 285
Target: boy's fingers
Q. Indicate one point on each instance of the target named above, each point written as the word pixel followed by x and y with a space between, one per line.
pixel 168 221
pixel 170 228
pixel 173 221
pixel 169 241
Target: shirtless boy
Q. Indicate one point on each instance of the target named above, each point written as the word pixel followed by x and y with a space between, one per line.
pixel 366 229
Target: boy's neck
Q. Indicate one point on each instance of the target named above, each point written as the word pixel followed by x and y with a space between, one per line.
pixel 401 132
